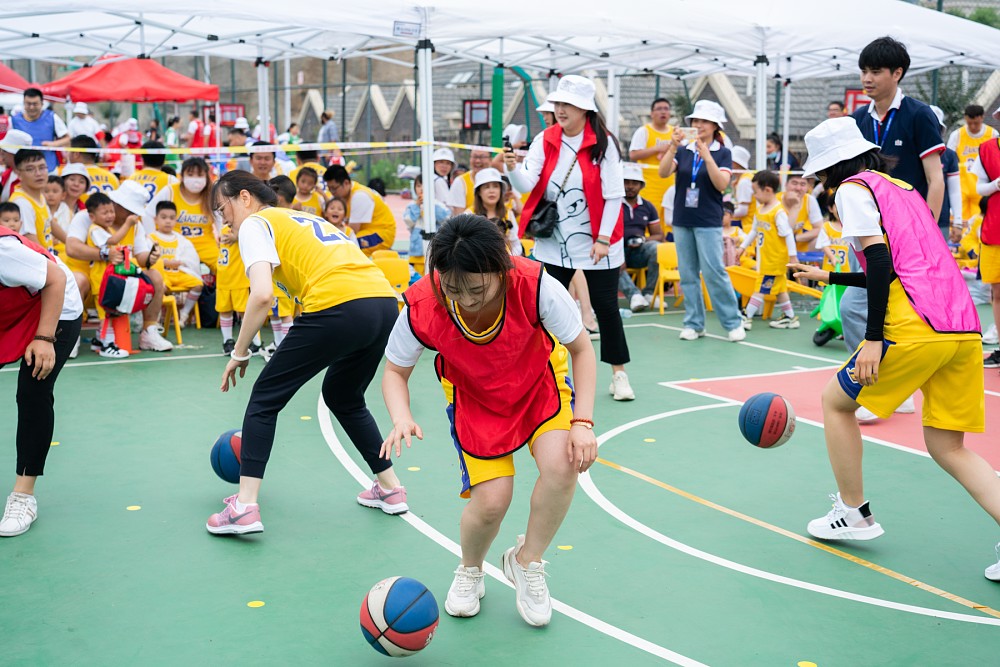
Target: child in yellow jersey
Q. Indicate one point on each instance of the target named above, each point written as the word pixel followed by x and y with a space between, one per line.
pixel 179 264
pixel 55 194
pixel 832 243
pixel 335 213
pixel 348 311
pixel 308 198
pixel 103 233
pixel 232 289
pixel 775 243
pixel 195 219
pixel 36 219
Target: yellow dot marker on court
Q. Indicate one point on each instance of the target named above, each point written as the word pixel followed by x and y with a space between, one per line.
pixel 649 439
pixel 253 604
pixel 54 443
pixel 134 508
pixel 565 547
pixel 414 468
pixel 806 663
pixel 305 418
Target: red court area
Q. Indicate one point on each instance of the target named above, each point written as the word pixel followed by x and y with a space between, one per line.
pixel 803 389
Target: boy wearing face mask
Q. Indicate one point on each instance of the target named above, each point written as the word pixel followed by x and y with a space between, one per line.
pixel 195 219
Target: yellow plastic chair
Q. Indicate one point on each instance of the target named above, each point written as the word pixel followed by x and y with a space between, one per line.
pixel 384 253
pixel 170 311
pixel 397 272
pixel 638 276
pixel 666 257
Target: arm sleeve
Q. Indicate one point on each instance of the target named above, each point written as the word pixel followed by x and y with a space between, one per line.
pixel 850 279
pixel 879 275
pixel 21 266
pixel 744 193
pixel 609 217
pixel 403 348
pixel 668 206
pixel 257 243
pixel 558 311
pixel 953 184
pixel 526 175
pixel 984 186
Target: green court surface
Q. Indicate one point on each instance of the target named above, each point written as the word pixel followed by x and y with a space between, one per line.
pixel 684 544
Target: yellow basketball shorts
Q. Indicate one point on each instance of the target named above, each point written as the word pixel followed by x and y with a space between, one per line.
pixel 773 285
pixel 283 307
pixel 179 281
pixel 227 301
pixel 475 471
pixel 948 373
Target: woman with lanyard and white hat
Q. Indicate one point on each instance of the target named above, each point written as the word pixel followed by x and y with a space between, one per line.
pixel 577 165
pixel 703 169
pixel 488 201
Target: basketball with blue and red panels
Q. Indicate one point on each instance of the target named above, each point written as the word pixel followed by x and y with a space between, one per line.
pixel 767 420
pixel 225 455
pixel 399 616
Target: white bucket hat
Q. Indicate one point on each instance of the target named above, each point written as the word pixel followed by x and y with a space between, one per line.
pixel 545 106
pixel 488 175
pixel 741 156
pixel 130 196
pixel 516 134
pixel 81 107
pixel 75 169
pixel 575 90
pixel 15 138
pixel 633 172
pixel 444 154
pixel 939 114
pixel 241 123
pixel 833 141
pixel 708 110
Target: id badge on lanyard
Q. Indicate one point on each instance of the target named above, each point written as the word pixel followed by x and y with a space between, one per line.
pixel 691 194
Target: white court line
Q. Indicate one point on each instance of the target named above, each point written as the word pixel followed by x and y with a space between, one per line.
pixel 745 343
pixel 588 486
pixel 130 360
pixel 326 426
pixel 797 370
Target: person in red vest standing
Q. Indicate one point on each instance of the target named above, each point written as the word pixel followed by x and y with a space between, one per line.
pixel 40 316
pixel 987 171
pixel 501 327
pixel 195 135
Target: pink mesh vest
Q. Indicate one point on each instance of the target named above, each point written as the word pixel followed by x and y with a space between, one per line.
pixel 920 256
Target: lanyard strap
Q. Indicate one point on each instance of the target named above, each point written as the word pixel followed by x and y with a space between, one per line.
pixel 876 126
pixel 695 168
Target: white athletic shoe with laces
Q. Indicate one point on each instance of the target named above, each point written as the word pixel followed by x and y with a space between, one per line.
pixel 152 338
pixel 990 336
pixel 620 388
pixel 993 571
pixel 638 303
pixel 865 416
pixel 20 512
pixel 467 589
pixel 845 523
pixel 688 333
pixel 531 592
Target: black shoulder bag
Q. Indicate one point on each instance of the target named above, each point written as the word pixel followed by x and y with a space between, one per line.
pixel 545 217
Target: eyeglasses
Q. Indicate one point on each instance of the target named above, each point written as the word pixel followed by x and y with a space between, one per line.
pixel 36 169
pixel 218 209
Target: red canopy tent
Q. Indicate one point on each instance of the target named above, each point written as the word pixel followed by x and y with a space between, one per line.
pixel 130 80
pixel 11 81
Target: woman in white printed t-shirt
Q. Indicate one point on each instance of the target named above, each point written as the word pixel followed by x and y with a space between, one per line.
pixel 577 164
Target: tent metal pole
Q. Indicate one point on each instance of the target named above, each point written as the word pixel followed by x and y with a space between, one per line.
pixel 760 64
pixel 787 101
pixel 262 102
pixel 288 92
pixel 343 101
pixel 614 100
pixel 425 103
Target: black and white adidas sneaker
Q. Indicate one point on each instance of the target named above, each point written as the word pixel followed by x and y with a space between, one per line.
pixel 845 523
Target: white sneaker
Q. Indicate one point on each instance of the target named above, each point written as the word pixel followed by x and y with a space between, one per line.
pixel 991 337
pixel 865 416
pixel 690 334
pixel 620 388
pixel 531 592
pixel 135 322
pixel 655 303
pixel 785 322
pixel 747 323
pixel 907 407
pixel 737 334
pixel 467 589
pixel 638 303
pixel 845 523
pixel 20 512
pixel 993 571
pixel 151 338
pixel 112 351
pixel 76 349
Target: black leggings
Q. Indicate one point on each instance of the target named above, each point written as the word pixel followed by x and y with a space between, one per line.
pixel 36 416
pixel 602 284
pixel 348 341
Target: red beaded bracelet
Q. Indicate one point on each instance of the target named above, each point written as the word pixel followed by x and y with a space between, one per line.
pixel 583 422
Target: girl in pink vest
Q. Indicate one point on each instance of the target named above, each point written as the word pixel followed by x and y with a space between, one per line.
pixel 40 316
pixel 923 331
pixel 501 328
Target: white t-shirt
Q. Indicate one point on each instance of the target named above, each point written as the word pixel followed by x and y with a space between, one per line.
pixel 28 215
pixel 744 194
pixel 362 207
pixel 560 316
pixel 573 239
pixel 640 138
pixel 953 137
pixel 86 125
pixel 668 206
pixel 858 213
pixel 79 228
pixel 456 194
pixel 256 241
pixel 22 266
pixel 441 190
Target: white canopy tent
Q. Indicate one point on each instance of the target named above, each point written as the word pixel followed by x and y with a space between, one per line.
pixel 689 39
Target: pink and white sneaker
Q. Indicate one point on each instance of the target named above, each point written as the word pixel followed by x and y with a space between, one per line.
pixel 390 502
pixel 230 521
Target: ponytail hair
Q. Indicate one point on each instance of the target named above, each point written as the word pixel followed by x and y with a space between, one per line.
pixel 600 128
pixel 234 182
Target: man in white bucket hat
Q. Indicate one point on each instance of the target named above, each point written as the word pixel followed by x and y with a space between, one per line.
pixel 640 215
pixel 914 338
pixel 82 122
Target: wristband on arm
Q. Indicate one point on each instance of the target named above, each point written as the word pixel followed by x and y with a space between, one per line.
pixel 849 279
pixel 879 275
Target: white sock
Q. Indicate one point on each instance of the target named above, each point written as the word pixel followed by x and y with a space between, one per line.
pixel 787 310
pixel 226 324
pixel 278 330
pixel 754 306
pixel 107 332
pixel 189 303
pixel 256 339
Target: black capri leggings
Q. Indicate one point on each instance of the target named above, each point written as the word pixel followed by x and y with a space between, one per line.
pixel 36 415
pixel 602 284
pixel 348 341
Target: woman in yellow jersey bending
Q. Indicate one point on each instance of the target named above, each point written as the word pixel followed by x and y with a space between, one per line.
pixel 344 297
pixel 195 221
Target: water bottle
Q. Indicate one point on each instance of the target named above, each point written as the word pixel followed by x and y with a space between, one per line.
pixel 625 313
